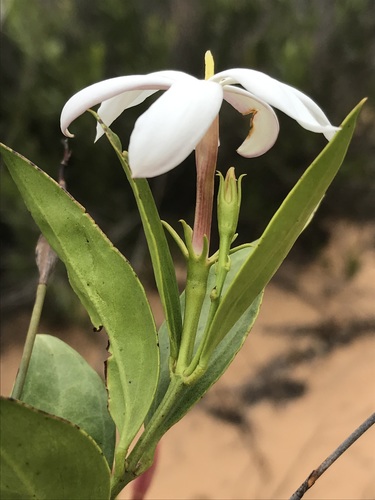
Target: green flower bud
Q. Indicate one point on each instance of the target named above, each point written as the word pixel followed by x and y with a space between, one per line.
pixel 228 204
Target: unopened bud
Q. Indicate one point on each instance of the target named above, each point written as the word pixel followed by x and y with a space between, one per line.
pixel 45 258
pixel 228 204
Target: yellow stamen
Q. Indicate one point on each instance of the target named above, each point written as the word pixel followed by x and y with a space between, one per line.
pixel 209 65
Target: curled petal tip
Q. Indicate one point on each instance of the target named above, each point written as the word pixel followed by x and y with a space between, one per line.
pixel 68 134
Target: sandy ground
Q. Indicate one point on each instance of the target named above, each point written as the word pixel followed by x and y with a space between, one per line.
pixel 303 382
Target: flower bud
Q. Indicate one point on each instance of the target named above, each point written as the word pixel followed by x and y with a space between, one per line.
pixel 228 204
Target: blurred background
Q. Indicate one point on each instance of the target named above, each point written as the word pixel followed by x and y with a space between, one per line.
pixel 50 49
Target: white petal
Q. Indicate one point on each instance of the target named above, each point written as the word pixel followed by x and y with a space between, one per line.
pixel 173 125
pixel 107 89
pixel 324 125
pixel 264 125
pixel 112 108
pixel 288 99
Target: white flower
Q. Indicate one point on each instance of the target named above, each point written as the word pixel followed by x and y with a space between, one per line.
pixel 174 124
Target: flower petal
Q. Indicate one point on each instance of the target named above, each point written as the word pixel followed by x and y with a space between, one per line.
pixel 173 125
pixel 107 89
pixel 264 125
pixel 288 99
pixel 112 108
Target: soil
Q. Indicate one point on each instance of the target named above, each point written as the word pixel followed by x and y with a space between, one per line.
pixel 304 380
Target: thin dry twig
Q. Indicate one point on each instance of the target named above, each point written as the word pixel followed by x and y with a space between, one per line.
pixel 64 163
pixel 310 481
pixel 46 259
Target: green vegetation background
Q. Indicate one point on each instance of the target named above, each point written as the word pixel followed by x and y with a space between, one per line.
pixel 52 48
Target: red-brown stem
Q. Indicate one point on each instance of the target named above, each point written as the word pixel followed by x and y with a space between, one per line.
pixel 205 158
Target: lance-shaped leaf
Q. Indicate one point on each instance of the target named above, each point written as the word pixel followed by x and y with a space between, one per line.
pixel 162 262
pixel 108 288
pixel 47 457
pixel 61 382
pixel 280 234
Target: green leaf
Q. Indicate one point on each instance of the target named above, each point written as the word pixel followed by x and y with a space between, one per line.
pixel 108 288
pixel 281 233
pixel 59 381
pixel 222 356
pixel 162 262
pixel 46 457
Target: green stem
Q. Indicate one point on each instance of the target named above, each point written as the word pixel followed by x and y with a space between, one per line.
pixel 195 370
pixel 141 457
pixel 195 292
pixel 30 339
pixel 223 266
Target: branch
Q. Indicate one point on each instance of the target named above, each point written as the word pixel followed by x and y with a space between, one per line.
pixel 310 481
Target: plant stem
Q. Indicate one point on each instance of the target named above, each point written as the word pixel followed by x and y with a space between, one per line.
pixel 141 457
pixel 30 339
pixel 222 269
pixel 195 292
pixel 310 481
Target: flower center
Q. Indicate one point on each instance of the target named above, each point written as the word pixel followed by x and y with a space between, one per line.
pixel 209 65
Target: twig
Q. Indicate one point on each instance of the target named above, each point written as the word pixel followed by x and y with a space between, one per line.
pixel 29 344
pixel 46 259
pixel 310 481
pixel 64 163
